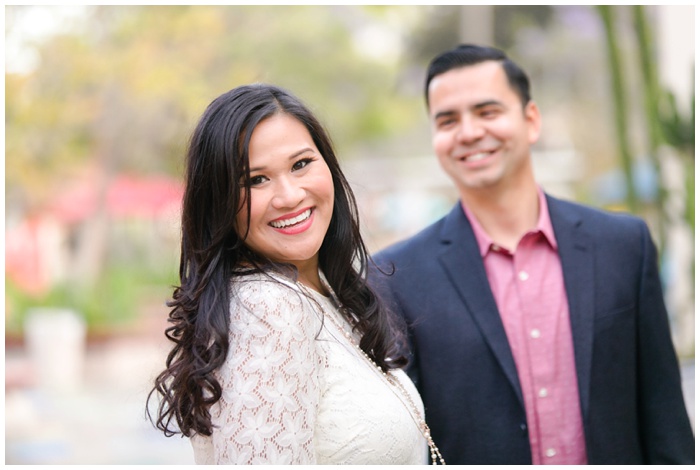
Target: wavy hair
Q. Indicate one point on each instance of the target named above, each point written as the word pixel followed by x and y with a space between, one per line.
pixel 212 255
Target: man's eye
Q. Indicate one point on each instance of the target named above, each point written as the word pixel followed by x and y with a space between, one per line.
pixel 445 122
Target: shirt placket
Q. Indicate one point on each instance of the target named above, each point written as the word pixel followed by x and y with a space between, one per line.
pixel 538 344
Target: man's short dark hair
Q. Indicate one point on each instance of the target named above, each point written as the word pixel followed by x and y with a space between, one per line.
pixel 470 54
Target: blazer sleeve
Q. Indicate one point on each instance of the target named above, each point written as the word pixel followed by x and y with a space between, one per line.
pixel 664 424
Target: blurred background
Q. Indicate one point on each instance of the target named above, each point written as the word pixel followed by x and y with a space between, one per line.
pixel 99 105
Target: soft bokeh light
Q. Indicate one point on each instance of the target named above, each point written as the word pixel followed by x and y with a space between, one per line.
pixel 29 25
pixel 100 102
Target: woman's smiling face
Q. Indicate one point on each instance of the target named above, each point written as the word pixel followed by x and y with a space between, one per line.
pixel 291 194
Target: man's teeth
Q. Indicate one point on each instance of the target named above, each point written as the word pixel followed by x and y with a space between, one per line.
pixel 294 220
pixel 477 156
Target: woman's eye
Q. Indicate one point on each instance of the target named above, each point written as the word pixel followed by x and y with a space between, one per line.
pixel 256 180
pixel 298 165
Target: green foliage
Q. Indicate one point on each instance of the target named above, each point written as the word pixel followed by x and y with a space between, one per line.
pixel 125 90
pixel 121 94
pixel 438 32
pixel 678 130
pixel 690 198
pixel 110 304
pixel 515 18
pixel 618 81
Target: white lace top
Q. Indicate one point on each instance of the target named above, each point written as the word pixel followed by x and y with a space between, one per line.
pixel 295 391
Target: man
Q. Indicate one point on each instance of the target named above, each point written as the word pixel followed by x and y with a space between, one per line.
pixel 538 328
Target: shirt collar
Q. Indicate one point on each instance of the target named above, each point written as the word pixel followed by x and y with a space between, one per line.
pixel 544 226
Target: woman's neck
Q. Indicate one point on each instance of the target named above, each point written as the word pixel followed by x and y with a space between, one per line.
pixel 309 276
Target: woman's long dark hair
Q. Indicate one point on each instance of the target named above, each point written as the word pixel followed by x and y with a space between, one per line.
pixel 211 250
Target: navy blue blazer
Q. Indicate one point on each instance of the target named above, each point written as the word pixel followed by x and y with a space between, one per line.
pixel 628 373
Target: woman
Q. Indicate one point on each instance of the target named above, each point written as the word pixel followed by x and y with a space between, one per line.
pixel 282 353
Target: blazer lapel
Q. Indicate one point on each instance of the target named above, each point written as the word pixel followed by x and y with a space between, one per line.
pixel 576 253
pixel 462 261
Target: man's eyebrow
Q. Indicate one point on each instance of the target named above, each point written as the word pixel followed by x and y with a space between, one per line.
pixel 477 106
pixel 486 103
pixel 442 114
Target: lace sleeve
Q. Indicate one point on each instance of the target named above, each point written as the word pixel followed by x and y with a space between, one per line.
pixel 270 379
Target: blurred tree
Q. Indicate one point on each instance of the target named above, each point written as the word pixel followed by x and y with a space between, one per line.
pixel 662 127
pixel 121 94
pixel 126 89
pixel 617 83
pixel 653 134
pixel 514 18
pixel 438 32
pixel 679 132
pixel 662 122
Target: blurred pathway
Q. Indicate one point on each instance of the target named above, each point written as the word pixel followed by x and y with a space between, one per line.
pixel 102 422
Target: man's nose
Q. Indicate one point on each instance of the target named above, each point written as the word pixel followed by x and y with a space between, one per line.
pixel 288 193
pixel 470 130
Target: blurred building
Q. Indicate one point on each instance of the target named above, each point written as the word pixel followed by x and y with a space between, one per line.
pixel 50 245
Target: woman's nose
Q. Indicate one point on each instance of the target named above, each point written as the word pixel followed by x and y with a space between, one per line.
pixel 288 193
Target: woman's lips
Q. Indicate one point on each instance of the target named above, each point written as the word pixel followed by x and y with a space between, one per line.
pixel 292 220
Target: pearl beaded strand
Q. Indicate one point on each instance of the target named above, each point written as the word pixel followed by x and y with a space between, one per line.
pixel 393 382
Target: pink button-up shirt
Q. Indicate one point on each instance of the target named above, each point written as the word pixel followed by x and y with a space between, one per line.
pixel 528 286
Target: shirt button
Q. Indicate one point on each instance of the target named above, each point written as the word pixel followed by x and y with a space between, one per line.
pixel 543 393
pixel 535 333
pixel 523 275
pixel 550 452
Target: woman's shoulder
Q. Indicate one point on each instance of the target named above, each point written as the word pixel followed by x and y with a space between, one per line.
pixel 266 295
pixel 257 287
pixel 258 283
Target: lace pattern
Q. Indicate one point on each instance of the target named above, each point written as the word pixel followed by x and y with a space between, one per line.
pixel 296 392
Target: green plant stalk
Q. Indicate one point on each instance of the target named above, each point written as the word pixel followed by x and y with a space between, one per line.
pixel 652 115
pixel 679 133
pixel 618 92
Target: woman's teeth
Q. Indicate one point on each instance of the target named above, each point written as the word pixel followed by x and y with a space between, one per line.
pixel 293 221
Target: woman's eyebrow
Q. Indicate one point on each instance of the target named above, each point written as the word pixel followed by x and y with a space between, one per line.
pixel 291 157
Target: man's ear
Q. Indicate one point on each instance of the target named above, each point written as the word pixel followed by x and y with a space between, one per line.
pixel 533 120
